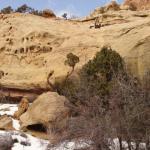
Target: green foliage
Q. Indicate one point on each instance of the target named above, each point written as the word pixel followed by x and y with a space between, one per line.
pixel 72 60
pixel 106 63
pixel 95 78
pixel 24 9
pixel 7 10
pixel 68 88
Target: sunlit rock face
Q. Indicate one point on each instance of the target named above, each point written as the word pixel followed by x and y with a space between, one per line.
pixel 139 4
pixel 28 55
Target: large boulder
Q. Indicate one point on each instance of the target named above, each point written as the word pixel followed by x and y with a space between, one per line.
pixel 45 110
pixel 6 142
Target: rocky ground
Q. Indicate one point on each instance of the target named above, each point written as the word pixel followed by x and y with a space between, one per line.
pixel 19 140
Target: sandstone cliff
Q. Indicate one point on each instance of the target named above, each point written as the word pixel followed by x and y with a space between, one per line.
pixel 32 46
pixel 139 4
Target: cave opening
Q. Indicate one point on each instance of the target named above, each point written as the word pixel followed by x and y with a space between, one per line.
pixel 37 127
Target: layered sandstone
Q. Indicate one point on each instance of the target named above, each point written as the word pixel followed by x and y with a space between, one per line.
pixel 31 46
pixel 139 4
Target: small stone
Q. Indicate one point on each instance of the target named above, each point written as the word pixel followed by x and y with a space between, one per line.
pixel 6 142
pixel 6 123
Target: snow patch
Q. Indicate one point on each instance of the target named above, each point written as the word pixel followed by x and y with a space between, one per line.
pixel 8 109
pixel 16 124
pixel 26 141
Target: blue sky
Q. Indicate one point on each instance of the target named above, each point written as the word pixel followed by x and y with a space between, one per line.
pixel 74 7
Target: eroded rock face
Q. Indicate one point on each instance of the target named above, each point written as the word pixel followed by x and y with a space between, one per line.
pixel 28 55
pixel 139 4
pixel 45 110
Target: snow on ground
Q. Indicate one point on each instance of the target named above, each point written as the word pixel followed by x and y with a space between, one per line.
pixel 116 146
pixel 16 124
pixel 28 142
pixel 8 109
pixel 70 146
pixel 32 143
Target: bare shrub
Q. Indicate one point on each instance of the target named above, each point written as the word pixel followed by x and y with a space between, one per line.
pixel 89 102
pixel 7 10
pixel 108 103
pixel 129 109
pixel 47 13
pixel 132 7
pixel 114 6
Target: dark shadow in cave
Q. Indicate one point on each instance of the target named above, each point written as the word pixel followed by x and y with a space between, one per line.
pixel 37 127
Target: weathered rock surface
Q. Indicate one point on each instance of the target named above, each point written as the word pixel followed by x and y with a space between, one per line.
pixel 139 4
pixel 45 110
pixel 6 123
pixel 28 54
pixel 6 142
pixel 111 6
pixel 22 108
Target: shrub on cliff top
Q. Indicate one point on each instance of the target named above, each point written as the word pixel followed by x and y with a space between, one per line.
pixel 24 9
pixel 7 10
pixel 47 13
pixel 95 78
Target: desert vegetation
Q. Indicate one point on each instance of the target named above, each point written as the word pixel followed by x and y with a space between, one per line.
pixel 27 9
pixel 106 104
pixel 57 84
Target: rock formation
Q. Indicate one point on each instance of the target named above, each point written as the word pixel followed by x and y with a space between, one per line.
pixel 139 4
pixel 22 108
pixel 28 55
pixel 45 110
pixel 6 123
